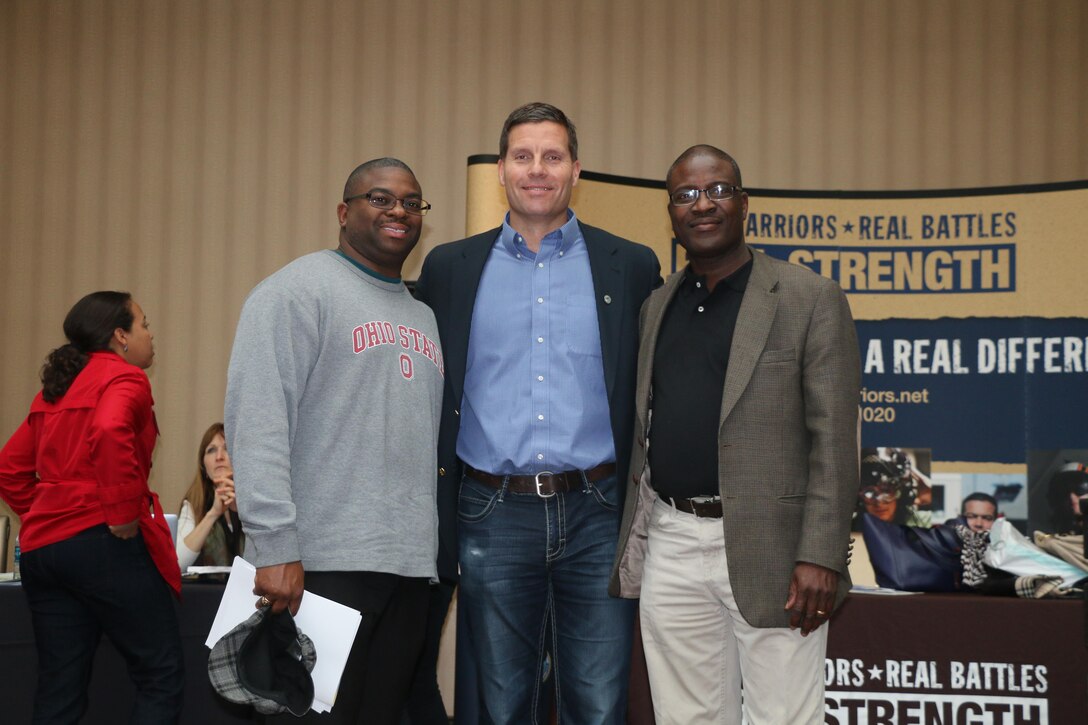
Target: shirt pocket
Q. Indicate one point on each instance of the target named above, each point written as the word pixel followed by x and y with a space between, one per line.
pixel 578 321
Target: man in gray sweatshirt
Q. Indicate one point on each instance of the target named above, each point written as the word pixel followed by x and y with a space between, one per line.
pixel 333 400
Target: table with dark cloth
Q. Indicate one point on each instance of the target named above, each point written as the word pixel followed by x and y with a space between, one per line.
pixel 111 693
pixel 933 658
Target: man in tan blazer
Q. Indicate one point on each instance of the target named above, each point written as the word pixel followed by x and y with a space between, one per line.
pixel 736 523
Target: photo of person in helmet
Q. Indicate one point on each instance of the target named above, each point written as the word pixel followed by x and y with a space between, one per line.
pixel 893 487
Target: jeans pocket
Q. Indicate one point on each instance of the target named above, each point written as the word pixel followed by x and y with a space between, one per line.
pixel 475 501
pixel 606 500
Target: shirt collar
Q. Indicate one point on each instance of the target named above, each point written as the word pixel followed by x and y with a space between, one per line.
pixel 558 241
pixel 737 281
pixel 362 267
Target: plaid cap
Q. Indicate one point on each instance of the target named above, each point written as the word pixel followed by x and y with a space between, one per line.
pixel 266 662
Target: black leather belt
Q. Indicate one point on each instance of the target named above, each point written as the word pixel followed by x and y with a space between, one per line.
pixel 702 509
pixel 544 483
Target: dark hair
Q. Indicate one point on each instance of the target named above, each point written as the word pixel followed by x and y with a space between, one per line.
pixel 386 162
pixel 979 496
pixel 706 150
pixel 89 327
pixel 538 113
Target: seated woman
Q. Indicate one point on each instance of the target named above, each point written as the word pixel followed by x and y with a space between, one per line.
pixel 209 532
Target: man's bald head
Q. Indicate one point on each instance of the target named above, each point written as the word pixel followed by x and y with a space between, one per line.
pixel 356 176
pixel 704 150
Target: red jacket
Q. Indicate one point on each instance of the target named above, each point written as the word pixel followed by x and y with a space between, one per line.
pixel 84 460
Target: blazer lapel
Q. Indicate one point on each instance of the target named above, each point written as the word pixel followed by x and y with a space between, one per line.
pixel 470 267
pixel 754 321
pixel 607 288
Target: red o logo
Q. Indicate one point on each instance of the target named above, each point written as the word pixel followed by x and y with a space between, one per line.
pixel 406 366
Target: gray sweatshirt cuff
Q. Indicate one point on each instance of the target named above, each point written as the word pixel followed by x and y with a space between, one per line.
pixel 268 548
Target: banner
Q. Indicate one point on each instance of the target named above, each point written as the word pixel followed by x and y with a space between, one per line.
pixel 971 310
pixel 955 659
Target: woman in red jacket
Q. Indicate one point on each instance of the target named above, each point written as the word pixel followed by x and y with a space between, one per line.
pixel 96 551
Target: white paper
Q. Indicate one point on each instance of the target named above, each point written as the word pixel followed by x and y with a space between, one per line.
pixel 330 625
pixel 882 591
pixel 209 570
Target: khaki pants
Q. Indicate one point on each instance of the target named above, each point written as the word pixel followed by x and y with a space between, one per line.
pixel 699 649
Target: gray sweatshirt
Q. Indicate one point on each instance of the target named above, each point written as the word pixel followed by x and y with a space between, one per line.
pixel 333 400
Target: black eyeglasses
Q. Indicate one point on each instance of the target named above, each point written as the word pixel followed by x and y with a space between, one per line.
pixel 717 192
pixel 386 201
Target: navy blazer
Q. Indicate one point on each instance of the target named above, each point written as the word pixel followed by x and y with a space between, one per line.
pixel 624 273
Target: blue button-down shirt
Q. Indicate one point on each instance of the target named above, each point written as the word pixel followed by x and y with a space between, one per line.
pixel 535 397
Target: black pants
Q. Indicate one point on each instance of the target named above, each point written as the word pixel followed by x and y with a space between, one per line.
pixel 382 660
pixel 425 706
pixel 93 584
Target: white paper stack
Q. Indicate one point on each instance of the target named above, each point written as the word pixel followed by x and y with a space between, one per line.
pixel 330 625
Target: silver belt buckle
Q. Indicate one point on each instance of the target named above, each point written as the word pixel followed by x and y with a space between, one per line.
pixel 536 479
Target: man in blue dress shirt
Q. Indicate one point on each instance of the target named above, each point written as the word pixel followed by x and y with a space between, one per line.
pixel 539 323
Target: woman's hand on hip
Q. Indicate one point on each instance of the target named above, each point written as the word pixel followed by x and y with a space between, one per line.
pixel 126 531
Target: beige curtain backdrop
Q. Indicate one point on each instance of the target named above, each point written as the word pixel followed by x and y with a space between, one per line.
pixel 183 150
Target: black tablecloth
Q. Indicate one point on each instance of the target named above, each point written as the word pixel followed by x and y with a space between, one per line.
pixel 926 658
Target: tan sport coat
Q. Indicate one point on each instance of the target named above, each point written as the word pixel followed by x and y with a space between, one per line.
pixel 787 457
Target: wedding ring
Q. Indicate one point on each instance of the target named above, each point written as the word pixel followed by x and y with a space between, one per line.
pixel 265 602
pixel 821 613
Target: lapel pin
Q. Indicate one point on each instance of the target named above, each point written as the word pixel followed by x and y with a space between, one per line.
pixel 608 299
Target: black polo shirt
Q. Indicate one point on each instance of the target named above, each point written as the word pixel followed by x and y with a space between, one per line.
pixel 689 373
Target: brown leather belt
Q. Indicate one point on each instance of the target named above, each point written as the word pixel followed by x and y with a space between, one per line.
pixel 702 509
pixel 544 483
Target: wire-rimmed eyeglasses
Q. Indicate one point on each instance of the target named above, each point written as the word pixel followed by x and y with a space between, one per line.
pixel 716 192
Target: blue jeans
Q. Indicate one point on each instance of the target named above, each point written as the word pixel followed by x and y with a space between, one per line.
pixel 534 580
pixel 93 584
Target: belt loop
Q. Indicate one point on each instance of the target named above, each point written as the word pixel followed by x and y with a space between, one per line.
pixel 587 487
pixel 503 487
